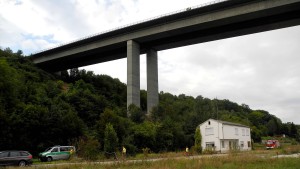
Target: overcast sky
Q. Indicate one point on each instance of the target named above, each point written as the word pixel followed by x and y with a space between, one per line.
pixel 261 70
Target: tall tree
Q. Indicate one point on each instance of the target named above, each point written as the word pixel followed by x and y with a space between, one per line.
pixel 294 131
pixel 110 139
pixel 198 139
pixel 9 85
pixel 136 114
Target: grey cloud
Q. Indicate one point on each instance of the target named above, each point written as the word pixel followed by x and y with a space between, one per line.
pixel 261 70
pixel 64 15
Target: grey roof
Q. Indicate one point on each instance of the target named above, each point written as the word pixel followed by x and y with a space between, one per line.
pixel 230 123
pixel 227 123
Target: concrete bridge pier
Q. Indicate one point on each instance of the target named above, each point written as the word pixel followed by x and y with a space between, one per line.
pixel 133 76
pixel 152 80
pixel 133 73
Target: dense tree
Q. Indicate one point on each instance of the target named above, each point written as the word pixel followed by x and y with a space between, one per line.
pixel 110 139
pixel 87 104
pixel 273 127
pixel 198 139
pixel 136 114
pixel 293 130
pixel 9 85
pixel 144 135
pixel 79 104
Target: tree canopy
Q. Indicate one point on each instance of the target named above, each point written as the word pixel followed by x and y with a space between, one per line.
pixel 39 109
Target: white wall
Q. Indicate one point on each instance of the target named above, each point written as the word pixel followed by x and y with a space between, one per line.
pixel 211 137
pixel 210 133
pixel 239 133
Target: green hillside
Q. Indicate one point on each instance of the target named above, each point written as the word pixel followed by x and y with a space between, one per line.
pixel 38 109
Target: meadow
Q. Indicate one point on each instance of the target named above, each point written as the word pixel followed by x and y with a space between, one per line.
pixel 257 159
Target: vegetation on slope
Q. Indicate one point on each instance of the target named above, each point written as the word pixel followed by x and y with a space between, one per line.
pixel 38 109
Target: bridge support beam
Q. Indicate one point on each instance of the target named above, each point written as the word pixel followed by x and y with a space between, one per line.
pixel 133 73
pixel 152 80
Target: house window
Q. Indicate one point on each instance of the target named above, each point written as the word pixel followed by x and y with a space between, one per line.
pixel 247 132
pixel 233 145
pixel 210 144
pixel 242 144
pixel 236 131
pixel 209 131
pixel 249 144
pixel 223 144
pixel 208 122
pixel 243 132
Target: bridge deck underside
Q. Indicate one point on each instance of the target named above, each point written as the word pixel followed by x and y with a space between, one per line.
pixel 249 23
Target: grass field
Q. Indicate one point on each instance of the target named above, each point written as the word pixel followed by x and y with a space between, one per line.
pixel 258 159
pixel 228 162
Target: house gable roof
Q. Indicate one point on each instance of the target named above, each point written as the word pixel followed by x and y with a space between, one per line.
pixel 226 123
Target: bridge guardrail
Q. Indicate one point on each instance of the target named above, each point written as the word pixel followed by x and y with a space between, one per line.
pixel 134 23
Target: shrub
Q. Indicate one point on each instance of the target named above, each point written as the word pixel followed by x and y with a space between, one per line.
pixel 146 151
pixel 198 139
pixel 110 139
pixel 88 148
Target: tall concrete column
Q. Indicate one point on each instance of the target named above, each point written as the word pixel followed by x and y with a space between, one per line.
pixel 133 73
pixel 152 80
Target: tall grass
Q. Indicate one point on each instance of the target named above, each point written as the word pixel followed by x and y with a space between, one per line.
pixel 231 161
pixel 258 159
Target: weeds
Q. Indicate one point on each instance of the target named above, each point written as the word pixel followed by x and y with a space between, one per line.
pixel 242 161
pixel 171 160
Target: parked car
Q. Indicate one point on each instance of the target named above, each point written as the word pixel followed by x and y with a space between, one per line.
pixel 57 153
pixel 14 157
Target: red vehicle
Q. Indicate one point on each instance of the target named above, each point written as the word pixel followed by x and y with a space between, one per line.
pixel 270 144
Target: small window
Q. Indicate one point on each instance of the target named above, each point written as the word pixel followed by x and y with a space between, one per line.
pixel 243 132
pixel 14 154
pixel 208 122
pixel 24 154
pixel 209 131
pixel 242 143
pixel 247 132
pixel 63 149
pixel 55 150
pixel 236 131
pixel 223 144
pixel 4 154
pixel 210 144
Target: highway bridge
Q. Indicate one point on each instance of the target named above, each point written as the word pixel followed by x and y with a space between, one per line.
pixel 217 20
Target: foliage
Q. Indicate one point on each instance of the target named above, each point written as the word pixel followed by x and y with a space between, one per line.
pixel 88 148
pixel 144 135
pixel 39 109
pixel 198 139
pixel 110 139
pixel 136 114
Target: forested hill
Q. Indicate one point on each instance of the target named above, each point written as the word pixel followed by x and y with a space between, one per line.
pixel 38 109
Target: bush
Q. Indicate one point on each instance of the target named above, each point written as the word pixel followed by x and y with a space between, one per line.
pixel 209 150
pixel 294 142
pixel 146 151
pixel 130 149
pixel 110 140
pixel 88 148
pixel 198 138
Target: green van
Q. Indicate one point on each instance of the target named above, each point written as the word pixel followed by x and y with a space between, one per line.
pixel 57 153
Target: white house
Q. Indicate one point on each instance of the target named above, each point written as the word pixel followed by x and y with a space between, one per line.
pixel 223 136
